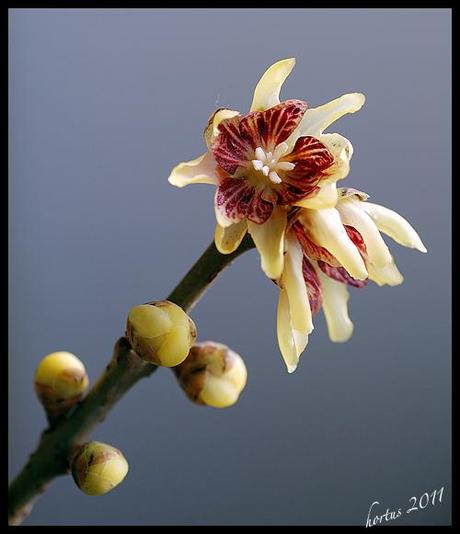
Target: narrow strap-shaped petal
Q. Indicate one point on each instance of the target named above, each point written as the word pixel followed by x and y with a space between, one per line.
pixel 310 248
pixel 351 213
pixel 391 223
pixel 267 91
pixel 228 239
pixel 335 307
pixel 269 240
pixel 198 171
pixel 326 229
pixel 294 284
pixel 291 342
pixel 316 120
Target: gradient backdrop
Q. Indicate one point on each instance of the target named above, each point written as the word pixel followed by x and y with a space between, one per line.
pixel 102 104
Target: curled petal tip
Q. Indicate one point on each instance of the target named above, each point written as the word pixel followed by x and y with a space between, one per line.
pixel 335 307
pixel 197 171
pixel 287 63
pixel 420 246
pixel 361 99
pixel 267 91
pixel 344 335
pixel 387 275
pixel 395 226
pixel 362 274
pixel 355 101
pixel 291 368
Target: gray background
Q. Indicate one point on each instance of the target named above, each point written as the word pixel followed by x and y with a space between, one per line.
pixel 102 104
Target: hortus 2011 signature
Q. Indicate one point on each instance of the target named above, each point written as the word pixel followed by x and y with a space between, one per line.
pixel 416 503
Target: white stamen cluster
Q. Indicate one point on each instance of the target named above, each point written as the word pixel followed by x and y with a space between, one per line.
pixel 267 162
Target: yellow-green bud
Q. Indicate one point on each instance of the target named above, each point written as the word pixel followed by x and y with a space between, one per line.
pixel 97 468
pixel 60 381
pixel 160 332
pixel 212 374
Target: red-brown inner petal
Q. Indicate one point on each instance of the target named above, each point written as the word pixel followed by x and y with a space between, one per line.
pixel 269 128
pixel 230 150
pixel 311 159
pixel 238 200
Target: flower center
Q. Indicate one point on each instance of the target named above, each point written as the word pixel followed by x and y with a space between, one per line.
pixel 268 162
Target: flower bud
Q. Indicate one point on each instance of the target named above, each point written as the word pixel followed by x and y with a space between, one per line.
pixel 60 381
pixel 212 374
pixel 97 468
pixel 160 332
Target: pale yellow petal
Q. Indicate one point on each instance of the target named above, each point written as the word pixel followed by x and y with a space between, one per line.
pixel 267 91
pixel 339 145
pixel 269 240
pixel 197 171
pixel 335 307
pixel 301 342
pixel 296 289
pixel 291 343
pixel 351 213
pixel 326 197
pixel 327 230
pixel 391 223
pixel 342 150
pixel 386 275
pixel 228 239
pixel 316 120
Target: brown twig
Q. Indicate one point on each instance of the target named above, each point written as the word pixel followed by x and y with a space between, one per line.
pixel 51 458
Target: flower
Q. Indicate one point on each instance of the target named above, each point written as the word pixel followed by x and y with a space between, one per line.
pixel 268 160
pixel 97 468
pixel 60 382
pixel 160 332
pixel 326 251
pixel 212 374
pixel 276 171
